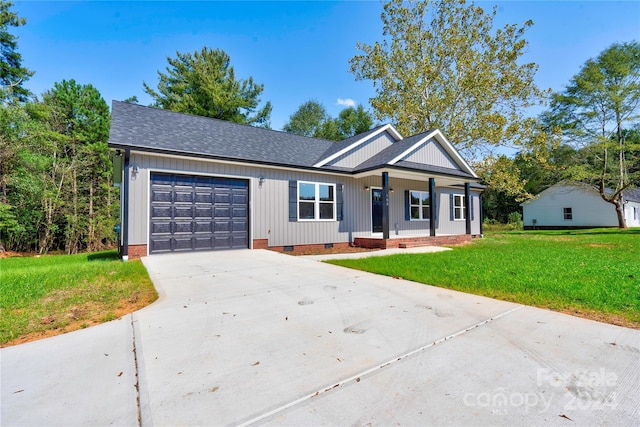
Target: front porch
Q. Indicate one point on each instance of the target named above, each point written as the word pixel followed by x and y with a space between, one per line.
pixel 403 242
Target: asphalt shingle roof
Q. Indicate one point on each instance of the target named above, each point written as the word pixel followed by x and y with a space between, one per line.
pixel 151 129
pixel 136 126
pixel 632 194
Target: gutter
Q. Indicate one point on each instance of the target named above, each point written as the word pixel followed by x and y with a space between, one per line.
pixel 125 206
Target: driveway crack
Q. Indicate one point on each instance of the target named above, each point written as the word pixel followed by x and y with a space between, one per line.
pixel 135 366
pixel 389 362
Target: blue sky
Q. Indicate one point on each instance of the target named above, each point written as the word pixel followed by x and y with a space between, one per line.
pixel 299 50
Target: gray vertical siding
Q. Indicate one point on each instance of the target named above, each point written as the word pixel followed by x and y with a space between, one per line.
pixel 432 153
pixel 268 204
pixel 364 151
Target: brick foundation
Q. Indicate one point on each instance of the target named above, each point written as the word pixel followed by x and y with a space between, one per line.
pixel 137 251
pixel 260 243
pixel 293 249
pixel 412 242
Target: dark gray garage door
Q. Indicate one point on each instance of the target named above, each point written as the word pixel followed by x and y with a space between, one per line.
pixel 194 213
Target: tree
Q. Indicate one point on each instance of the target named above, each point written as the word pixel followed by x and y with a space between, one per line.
pixel 352 121
pixel 442 65
pixel 596 112
pixel 12 73
pixel 80 117
pixel 307 120
pixel 312 119
pixel 204 83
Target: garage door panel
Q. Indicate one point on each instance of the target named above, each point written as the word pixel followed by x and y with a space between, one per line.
pixel 221 212
pixel 221 227
pixel 184 196
pixel 182 211
pixel 160 227
pixel 182 227
pixel 202 243
pixel 160 244
pixel 161 212
pixel 162 195
pixel 202 197
pixel 221 198
pixel 204 212
pixel 239 212
pixel 203 227
pixel 191 213
pixel 239 199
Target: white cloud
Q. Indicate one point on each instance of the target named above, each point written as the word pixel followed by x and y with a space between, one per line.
pixel 347 102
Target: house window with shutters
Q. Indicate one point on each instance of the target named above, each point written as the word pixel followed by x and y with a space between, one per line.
pixel 316 201
pixel 418 205
pixel 458 207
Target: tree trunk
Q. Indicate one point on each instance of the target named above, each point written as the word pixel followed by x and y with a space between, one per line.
pixel 622 221
pixel 91 243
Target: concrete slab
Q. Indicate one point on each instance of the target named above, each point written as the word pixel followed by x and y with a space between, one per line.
pixel 257 337
pixel 83 378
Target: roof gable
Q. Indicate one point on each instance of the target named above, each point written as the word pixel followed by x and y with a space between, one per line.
pixel 408 154
pixel 351 144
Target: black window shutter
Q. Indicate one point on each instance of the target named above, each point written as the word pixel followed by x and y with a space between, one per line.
pixel 339 202
pixel 451 217
pixel 293 201
pixel 407 206
pixel 471 206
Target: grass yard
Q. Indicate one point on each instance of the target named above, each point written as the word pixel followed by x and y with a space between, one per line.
pixel 590 273
pixel 50 295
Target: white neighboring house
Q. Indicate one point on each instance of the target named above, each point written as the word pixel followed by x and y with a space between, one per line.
pixel 577 206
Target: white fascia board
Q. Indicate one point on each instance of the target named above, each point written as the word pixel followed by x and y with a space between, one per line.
pixel 449 148
pixel 384 128
pixel 406 152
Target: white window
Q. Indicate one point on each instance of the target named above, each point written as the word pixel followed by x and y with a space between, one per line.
pixel 458 206
pixel 316 201
pixel 418 205
pixel 568 213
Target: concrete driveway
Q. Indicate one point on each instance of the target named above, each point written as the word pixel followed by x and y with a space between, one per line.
pixel 256 337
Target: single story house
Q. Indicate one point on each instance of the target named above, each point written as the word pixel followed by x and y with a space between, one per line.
pixel 565 205
pixel 192 183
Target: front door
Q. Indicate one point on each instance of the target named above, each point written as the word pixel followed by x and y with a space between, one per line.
pixel 376 210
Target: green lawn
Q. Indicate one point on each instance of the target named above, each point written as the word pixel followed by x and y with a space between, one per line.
pixel 593 273
pixel 41 296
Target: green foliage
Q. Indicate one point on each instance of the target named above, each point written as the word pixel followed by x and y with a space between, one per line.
pixel 515 219
pixel 204 83
pixel 51 292
pixel 307 120
pixel 441 64
pixel 12 73
pixel 596 113
pixel 56 171
pixel 586 271
pixel 312 119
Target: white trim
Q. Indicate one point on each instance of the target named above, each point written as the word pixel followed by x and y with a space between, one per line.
pixel 250 183
pixel 412 148
pixel 384 128
pixel 449 148
pixel 420 206
pixel 317 202
pixel 462 207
